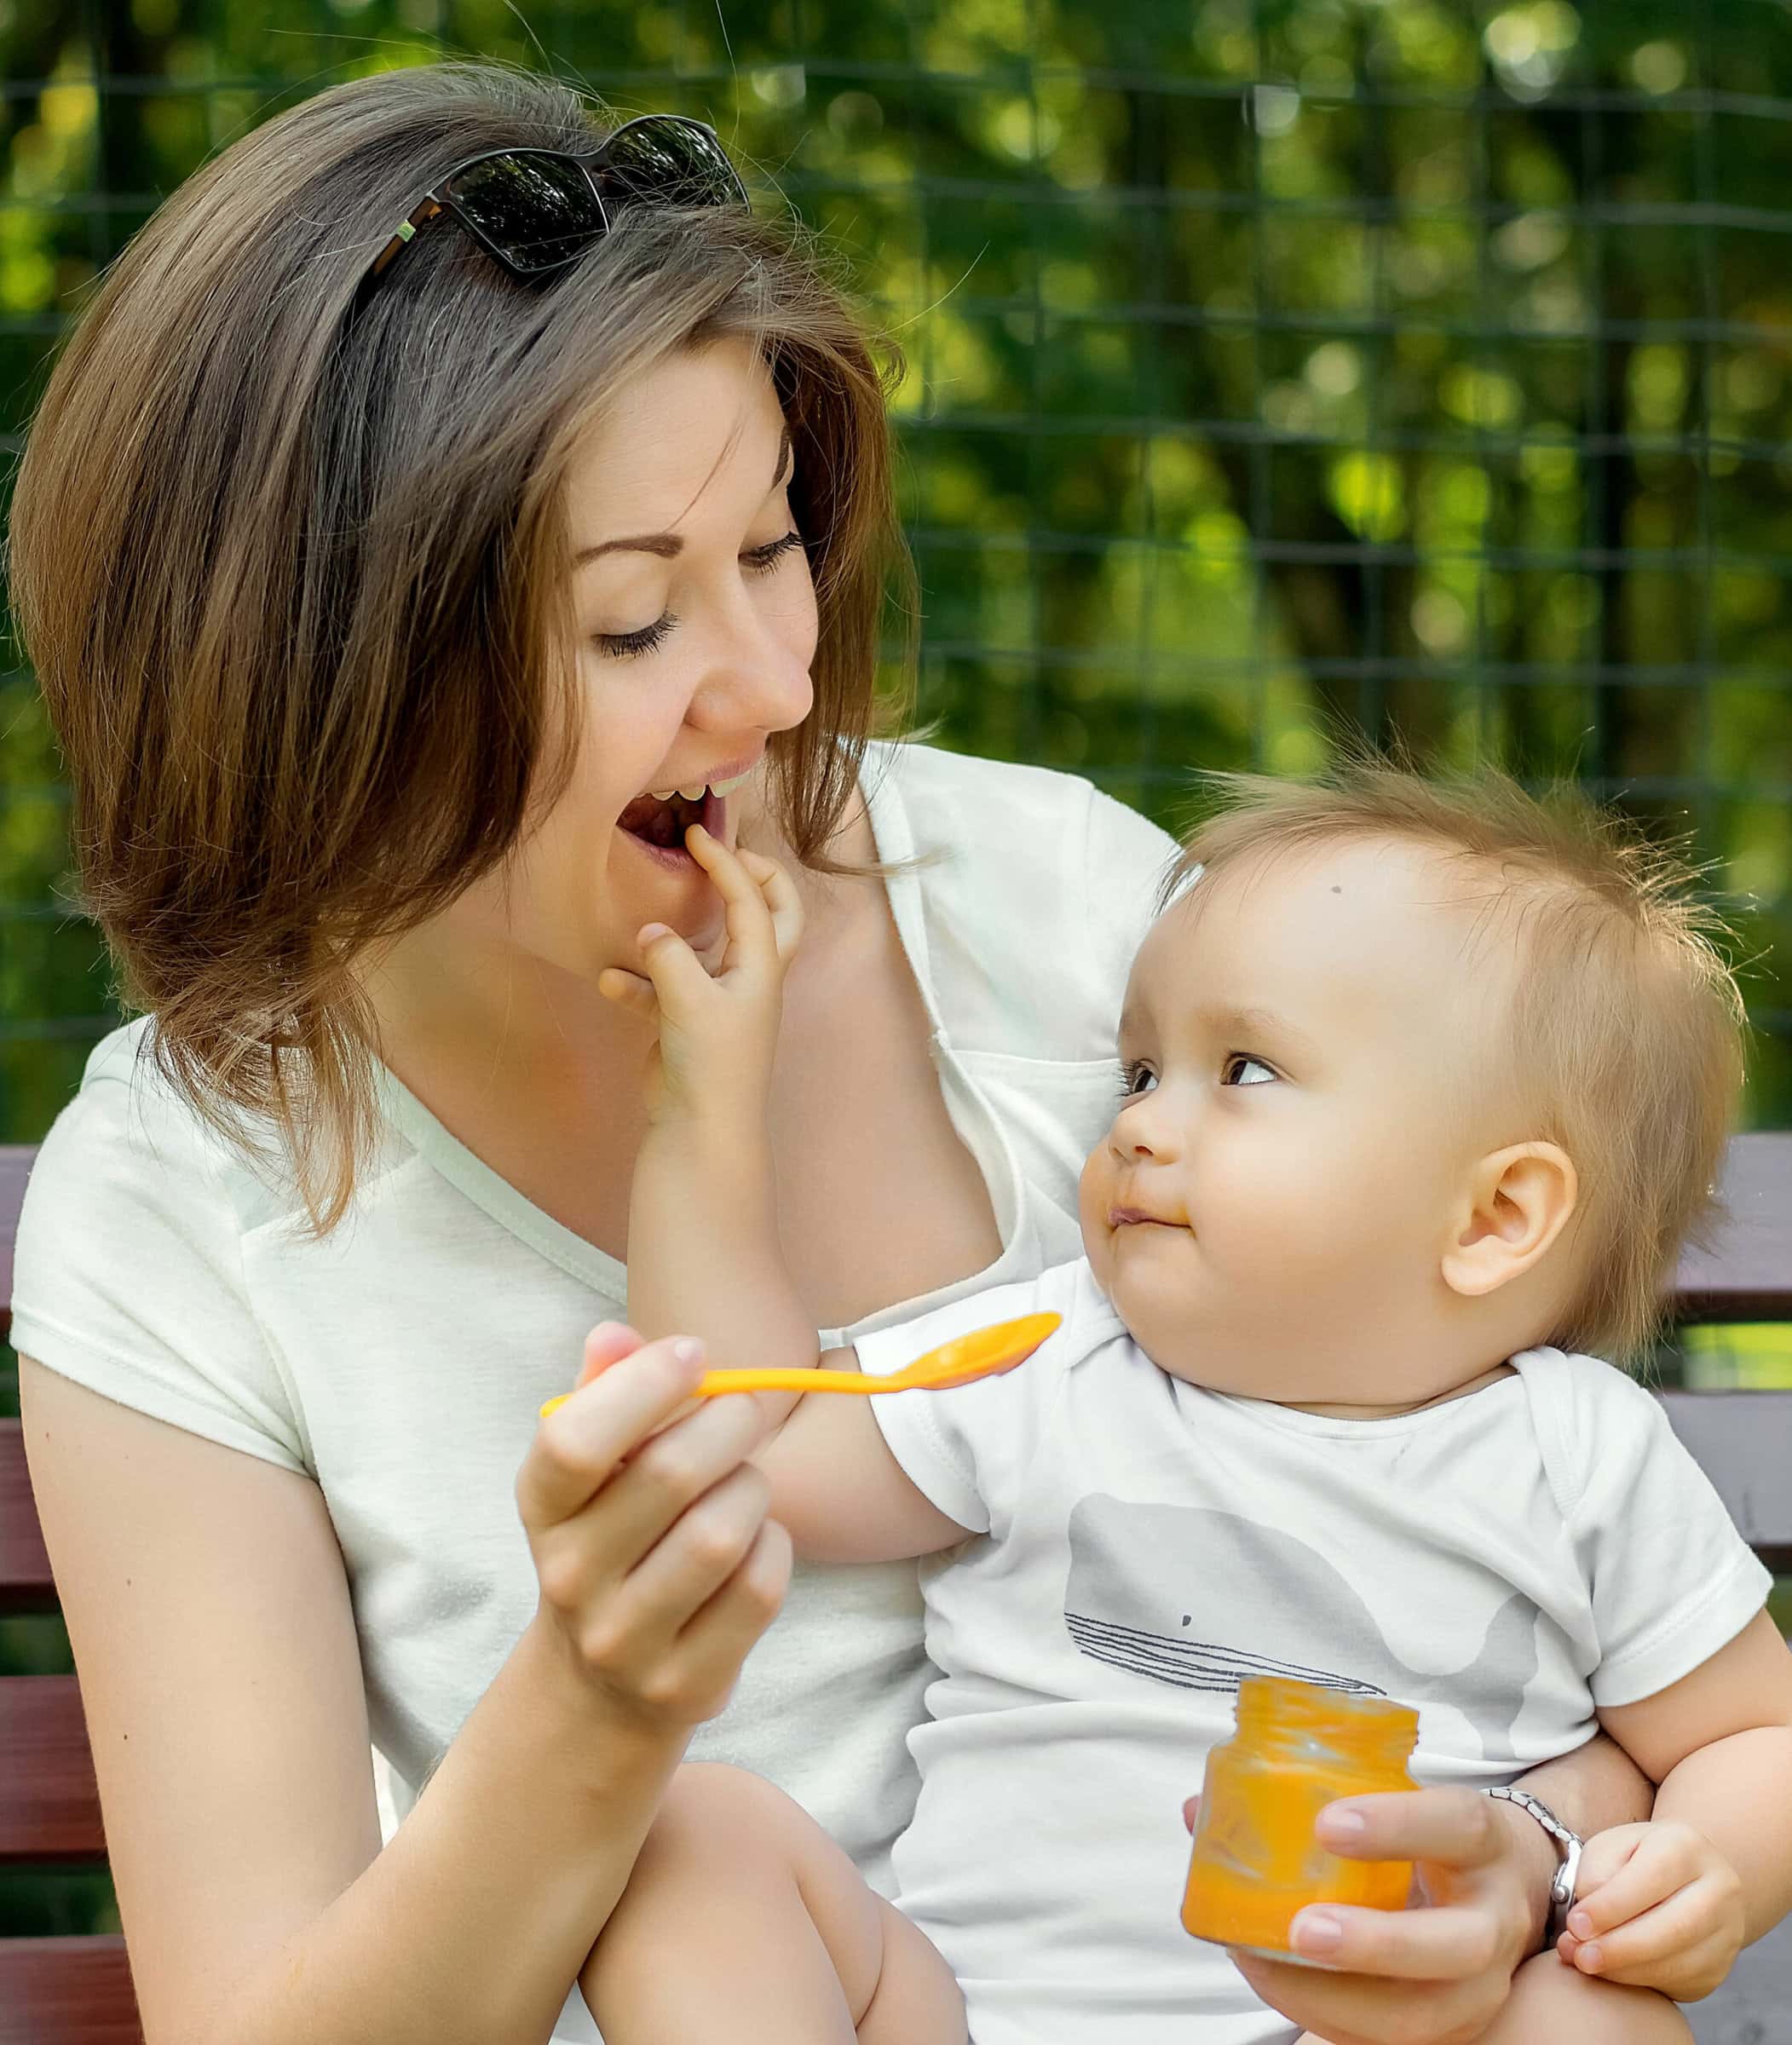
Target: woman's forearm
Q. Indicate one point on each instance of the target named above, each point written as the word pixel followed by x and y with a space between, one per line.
pixel 1595 1787
pixel 471 1926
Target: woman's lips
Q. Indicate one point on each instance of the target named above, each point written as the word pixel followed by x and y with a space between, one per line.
pixel 674 859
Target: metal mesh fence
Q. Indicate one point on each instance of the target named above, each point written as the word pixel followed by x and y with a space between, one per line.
pixel 1418 364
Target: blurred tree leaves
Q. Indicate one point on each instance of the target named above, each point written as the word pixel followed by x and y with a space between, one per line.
pixel 1416 364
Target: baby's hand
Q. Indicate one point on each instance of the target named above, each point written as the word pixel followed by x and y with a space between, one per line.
pixel 718 1031
pixel 1656 1906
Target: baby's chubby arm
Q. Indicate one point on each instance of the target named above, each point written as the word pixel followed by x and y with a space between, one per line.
pixel 703 1257
pixel 1668 1904
pixel 704 1253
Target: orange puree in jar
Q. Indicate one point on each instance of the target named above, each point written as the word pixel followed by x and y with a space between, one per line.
pixel 1255 1861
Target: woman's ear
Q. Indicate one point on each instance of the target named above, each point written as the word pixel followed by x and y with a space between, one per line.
pixel 1519 1200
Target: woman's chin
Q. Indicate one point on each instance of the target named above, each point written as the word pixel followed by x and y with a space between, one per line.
pixel 656 884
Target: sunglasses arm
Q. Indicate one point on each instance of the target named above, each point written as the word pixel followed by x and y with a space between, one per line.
pixel 423 211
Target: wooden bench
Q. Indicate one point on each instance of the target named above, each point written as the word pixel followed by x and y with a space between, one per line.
pixel 77 1990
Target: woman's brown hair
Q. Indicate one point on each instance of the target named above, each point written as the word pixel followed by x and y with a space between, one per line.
pixel 293 574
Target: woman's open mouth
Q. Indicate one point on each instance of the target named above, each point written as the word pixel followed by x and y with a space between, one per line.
pixel 658 821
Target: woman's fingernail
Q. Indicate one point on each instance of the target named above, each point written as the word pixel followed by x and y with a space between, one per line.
pixel 1588 1958
pixel 687 1350
pixel 1341 1824
pixel 1579 1924
pixel 1317 1932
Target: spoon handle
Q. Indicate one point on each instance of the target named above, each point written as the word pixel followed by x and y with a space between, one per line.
pixel 714 1383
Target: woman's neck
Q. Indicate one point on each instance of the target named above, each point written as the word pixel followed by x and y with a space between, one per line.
pixel 473 1022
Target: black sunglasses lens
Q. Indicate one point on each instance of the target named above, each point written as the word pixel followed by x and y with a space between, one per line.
pixel 673 163
pixel 539 210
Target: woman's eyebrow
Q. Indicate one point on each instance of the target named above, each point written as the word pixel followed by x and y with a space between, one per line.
pixel 668 544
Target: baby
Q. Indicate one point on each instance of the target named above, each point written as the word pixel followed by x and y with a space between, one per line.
pixel 1421 1085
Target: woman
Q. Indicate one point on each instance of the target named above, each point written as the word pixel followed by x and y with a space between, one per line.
pixel 387 588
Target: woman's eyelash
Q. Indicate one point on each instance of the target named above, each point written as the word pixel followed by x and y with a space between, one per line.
pixel 619 646
pixel 769 556
pixel 622 646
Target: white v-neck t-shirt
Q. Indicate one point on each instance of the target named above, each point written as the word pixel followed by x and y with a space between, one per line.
pixel 399 1362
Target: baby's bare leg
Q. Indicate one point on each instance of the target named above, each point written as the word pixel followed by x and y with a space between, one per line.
pixel 744 1924
pixel 1551 2004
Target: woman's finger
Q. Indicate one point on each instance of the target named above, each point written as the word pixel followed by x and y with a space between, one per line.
pixel 1191 1812
pixel 1457 1828
pixel 1446 1942
pixel 696 1555
pixel 710 1649
pixel 581 1445
pixel 1351 2009
pixel 665 1477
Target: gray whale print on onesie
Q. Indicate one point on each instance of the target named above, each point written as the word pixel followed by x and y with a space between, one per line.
pixel 1305 1619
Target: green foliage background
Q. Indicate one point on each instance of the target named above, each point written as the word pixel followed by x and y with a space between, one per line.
pixel 1421 365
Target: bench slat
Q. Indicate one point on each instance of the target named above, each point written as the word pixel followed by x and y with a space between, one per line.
pixel 1743 1441
pixel 50 1809
pixel 15 1164
pixel 67 1991
pixel 1747 1273
pixel 25 1578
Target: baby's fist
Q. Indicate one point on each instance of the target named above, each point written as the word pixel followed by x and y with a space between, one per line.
pixel 1655 1906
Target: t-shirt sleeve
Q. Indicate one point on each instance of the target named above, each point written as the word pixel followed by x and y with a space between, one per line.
pixel 128 1272
pixel 1671 1579
pixel 967 1449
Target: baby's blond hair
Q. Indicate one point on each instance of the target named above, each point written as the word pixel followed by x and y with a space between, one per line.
pixel 1627 1029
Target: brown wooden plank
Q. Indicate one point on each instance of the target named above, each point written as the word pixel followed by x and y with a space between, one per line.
pixel 1742 1440
pixel 15 1164
pixel 1746 1275
pixel 50 1804
pixel 25 1585
pixel 67 1991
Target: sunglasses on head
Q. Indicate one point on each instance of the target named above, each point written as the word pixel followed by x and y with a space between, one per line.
pixel 537 210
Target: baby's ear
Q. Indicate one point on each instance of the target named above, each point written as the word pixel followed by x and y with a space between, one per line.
pixel 1517 1203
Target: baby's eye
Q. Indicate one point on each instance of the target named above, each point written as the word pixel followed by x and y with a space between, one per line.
pixel 1137 1079
pixel 1241 1070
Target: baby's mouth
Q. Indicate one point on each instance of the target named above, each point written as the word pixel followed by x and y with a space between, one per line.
pixel 1136 1218
pixel 661 818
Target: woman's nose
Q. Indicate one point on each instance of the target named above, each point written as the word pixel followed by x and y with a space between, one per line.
pixel 756 675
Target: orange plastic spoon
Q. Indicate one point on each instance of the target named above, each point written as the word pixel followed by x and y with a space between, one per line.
pixel 984 1354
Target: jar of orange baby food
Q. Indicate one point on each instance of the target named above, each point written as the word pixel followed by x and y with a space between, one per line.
pixel 1255 1860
